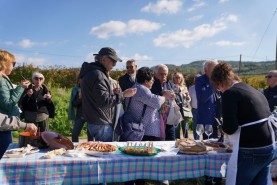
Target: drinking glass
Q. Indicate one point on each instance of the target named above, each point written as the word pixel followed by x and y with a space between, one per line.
pixel 208 130
pixel 200 130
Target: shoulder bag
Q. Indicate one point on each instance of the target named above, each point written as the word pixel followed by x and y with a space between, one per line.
pixel 129 130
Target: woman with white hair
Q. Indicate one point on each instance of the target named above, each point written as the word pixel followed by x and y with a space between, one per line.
pixel 37 104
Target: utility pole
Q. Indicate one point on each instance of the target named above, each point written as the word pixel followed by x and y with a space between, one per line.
pixel 239 63
pixel 276 54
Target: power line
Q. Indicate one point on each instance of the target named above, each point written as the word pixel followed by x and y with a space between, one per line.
pixel 264 33
pixel 146 60
pixel 44 53
pixel 259 58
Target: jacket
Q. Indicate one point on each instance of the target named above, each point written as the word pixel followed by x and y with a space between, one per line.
pixel 271 96
pixel 37 103
pixel 126 82
pixel 151 119
pixel 9 97
pixel 207 104
pixel 157 86
pixel 98 98
pixel 71 108
pixel 10 123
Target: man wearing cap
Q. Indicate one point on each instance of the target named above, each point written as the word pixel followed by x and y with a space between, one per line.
pixel 271 92
pixel 128 80
pixel 98 96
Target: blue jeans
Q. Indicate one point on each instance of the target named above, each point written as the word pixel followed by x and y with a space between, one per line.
pixel 5 140
pixel 194 123
pixel 101 132
pixel 254 166
pixel 77 128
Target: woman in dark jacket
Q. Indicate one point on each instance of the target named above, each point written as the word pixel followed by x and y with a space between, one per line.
pixel 36 104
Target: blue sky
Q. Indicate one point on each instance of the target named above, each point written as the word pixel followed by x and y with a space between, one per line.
pixel 68 32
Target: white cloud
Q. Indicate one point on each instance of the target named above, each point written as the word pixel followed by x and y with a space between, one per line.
pixel 196 5
pixel 223 1
pixel 139 57
pixel 186 38
pixel 118 28
pixel 232 18
pixel 27 43
pixel 163 7
pixel 30 60
pixel 36 61
pixel 195 18
pixel 228 43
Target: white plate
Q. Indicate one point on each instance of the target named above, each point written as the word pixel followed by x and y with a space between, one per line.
pixel 15 155
pixel 75 153
pixel 18 150
pixel 98 154
pixel 193 153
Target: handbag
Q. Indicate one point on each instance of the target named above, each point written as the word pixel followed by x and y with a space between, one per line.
pixel 174 116
pixel 184 106
pixel 129 130
pixel 187 110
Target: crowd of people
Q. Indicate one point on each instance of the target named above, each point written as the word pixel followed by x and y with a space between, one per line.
pixel 167 104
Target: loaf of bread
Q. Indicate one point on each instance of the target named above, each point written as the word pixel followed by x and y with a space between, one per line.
pixel 190 146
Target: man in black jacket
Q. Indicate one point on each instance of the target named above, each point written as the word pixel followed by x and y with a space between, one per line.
pixel 98 96
pixel 271 92
pixel 160 85
pixel 128 80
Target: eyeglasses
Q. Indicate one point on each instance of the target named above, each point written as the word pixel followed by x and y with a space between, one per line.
pixel 38 78
pixel 269 76
pixel 129 67
pixel 14 62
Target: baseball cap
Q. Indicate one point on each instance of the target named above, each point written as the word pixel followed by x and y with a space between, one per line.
pixel 110 52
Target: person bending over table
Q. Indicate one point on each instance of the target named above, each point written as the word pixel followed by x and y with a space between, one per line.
pixel 248 125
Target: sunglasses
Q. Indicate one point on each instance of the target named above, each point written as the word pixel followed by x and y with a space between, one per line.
pixel 269 76
pixel 38 78
pixel 14 62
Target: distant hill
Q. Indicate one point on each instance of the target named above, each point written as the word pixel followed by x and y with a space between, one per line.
pixel 247 67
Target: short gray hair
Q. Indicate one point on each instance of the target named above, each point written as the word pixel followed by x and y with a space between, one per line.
pixel 37 74
pixel 207 62
pixel 273 71
pixel 157 67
